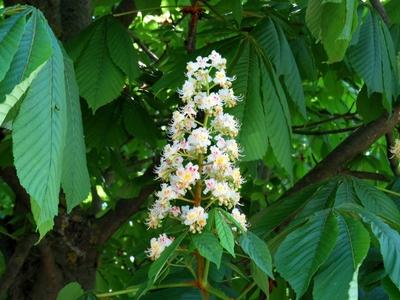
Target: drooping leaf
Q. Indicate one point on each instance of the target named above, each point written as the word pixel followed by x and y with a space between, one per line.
pixel 260 278
pixel 100 81
pixel 335 36
pixel 224 232
pixel 11 31
pixel 305 250
pixel 273 40
pixel 337 277
pixel 253 131
pixel 376 201
pixel 39 137
pixel 75 179
pixel 389 241
pixel 34 49
pixel 373 59
pixel 258 251
pixel 121 48
pixel 208 246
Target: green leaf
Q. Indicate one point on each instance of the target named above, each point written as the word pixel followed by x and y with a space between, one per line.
pixel 39 138
pixel 258 251
pixel 231 219
pixel 34 49
pixel 373 59
pixel 304 250
pixel 237 11
pixel 274 41
pixel 335 36
pixel 100 80
pixel 391 290
pixel 121 48
pixel 253 129
pixel 389 241
pixel 337 277
pixel 208 246
pixel 17 93
pixel 376 201
pixel 72 291
pixel 75 179
pixel 3 264
pixel 11 31
pixel 158 265
pixel 260 278
pixel 225 234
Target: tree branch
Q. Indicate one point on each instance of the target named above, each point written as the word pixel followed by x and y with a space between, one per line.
pixel 348 116
pixel 356 143
pixel 16 262
pixel 110 223
pixel 377 5
pixel 322 132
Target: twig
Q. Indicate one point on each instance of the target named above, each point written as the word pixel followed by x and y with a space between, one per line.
pixel 16 262
pixel 377 5
pixel 347 116
pixel 322 132
pixel 359 141
pixel 195 11
pixel 366 175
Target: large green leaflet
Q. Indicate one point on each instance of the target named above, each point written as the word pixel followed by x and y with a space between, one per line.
pixel 337 278
pixel 75 179
pixel 39 133
pixel 374 59
pixel 389 241
pixel 305 249
pixel 273 40
pixel 264 110
pixel 102 54
pixel 34 49
pixel 11 31
pixel 335 36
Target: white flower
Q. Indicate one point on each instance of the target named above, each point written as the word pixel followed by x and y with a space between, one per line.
pixel 228 97
pixel 187 90
pixel 217 60
pixel 185 177
pixel 226 125
pixel 166 193
pixel 158 245
pixel 240 218
pixel 175 211
pixel 195 218
pixel 225 195
pixel 199 140
pixel 202 62
pixel 395 150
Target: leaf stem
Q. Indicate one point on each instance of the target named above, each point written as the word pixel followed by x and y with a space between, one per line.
pixel 389 191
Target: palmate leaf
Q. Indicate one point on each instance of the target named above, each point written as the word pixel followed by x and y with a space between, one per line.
pixel 34 49
pixel 75 179
pixel 253 131
pixel 335 36
pixel 272 39
pixel 337 277
pixel 11 31
pixel 264 110
pixel 373 59
pixel 304 250
pixel 39 137
pixel 389 241
pixel 100 80
pixel 376 201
